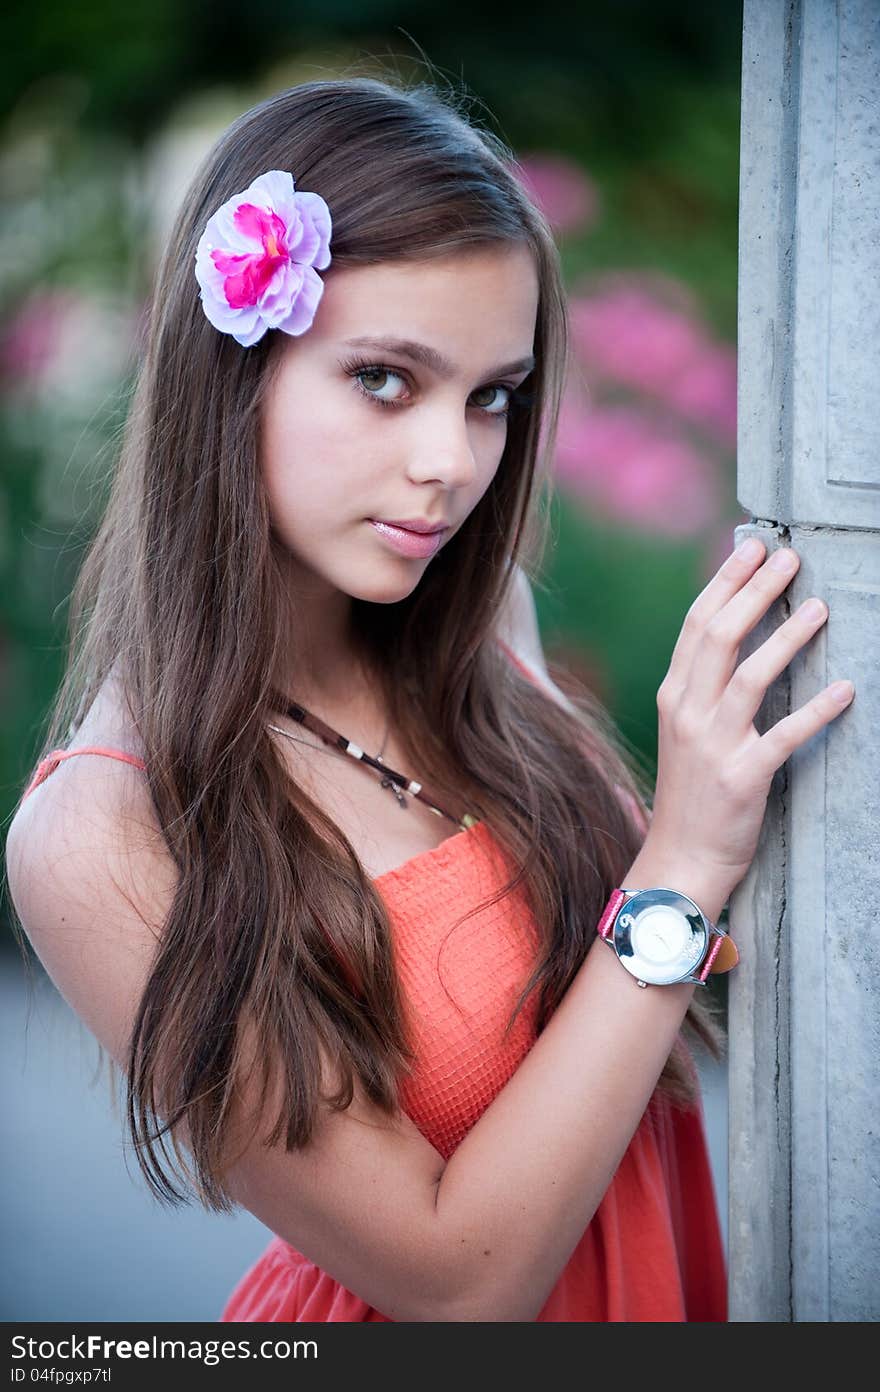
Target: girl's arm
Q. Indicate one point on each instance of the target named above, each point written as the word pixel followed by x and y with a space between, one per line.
pixel 372 1202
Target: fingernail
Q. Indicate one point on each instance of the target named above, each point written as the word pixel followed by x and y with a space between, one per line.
pixel 842 692
pixel 813 609
pixel 783 560
pixel 750 550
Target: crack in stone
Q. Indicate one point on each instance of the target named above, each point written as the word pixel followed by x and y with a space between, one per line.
pixel 781 1010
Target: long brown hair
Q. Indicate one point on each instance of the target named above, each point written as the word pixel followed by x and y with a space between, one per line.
pixel 182 595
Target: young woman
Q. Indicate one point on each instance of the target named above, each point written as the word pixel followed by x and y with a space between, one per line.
pixel 396 1004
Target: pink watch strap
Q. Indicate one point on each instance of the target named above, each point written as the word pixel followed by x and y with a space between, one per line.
pixel 609 913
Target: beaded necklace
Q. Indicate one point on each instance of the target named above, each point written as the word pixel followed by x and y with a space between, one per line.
pixel 397 783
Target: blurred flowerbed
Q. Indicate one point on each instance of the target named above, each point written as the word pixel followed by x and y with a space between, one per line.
pixel 644 465
pixel 645 504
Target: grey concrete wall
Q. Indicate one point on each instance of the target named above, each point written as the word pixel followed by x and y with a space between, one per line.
pixel 804 1123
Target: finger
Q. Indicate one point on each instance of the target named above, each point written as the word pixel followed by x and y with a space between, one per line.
pixel 715 661
pixel 736 571
pixel 748 685
pixel 790 733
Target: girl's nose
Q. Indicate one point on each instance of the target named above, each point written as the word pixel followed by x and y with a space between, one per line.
pixel 444 453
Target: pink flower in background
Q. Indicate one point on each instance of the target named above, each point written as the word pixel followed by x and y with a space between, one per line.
pixel 625 332
pixel 567 197
pixel 258 257
pixel 632 468
pixel 29 340
pixel 705 391
pixel 61 344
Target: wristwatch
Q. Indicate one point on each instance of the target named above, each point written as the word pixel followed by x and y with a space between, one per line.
pixel 661 937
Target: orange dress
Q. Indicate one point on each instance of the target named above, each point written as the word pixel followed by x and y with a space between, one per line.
pixel 653 1249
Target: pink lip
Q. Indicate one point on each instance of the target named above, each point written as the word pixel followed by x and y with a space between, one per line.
pixel 406 543
pixel 413 524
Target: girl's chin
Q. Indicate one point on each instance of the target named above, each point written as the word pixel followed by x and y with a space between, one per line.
pixel 386 589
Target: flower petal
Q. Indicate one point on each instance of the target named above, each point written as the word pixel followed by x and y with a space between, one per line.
pixel 262 225
pixel 305 305
pixel 276 304
pixel 313 246
pixel 273 189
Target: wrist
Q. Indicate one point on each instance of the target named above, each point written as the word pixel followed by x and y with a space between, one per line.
pixel 650 871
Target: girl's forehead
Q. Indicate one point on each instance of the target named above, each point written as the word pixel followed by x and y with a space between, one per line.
pixel 449 296
pixel 473 264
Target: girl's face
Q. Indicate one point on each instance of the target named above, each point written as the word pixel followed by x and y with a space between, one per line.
pixel 408 428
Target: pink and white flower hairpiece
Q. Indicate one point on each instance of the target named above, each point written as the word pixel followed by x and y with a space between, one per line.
pixel 258 257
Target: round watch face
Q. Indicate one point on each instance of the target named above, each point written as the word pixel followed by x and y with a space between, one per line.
pixel 660 936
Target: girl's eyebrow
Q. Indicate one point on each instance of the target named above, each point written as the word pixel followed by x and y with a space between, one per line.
pixel 430 357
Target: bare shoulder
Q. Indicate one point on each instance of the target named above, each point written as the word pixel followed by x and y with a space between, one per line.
pixel 109 721
pixel 90 878
pixel 518 627
pixel 518 622
pixel 79 786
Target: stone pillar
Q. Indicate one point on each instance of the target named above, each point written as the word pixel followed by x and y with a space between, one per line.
pixel 804 1008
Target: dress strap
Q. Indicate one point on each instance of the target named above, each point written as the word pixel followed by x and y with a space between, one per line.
pixel 49 763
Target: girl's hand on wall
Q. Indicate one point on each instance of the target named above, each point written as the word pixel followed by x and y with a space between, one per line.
pixel 714 769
